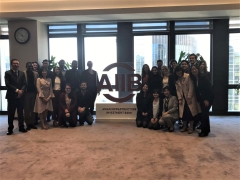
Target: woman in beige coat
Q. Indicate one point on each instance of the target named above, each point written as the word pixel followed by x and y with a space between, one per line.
pixel 43 102
pixel 188 105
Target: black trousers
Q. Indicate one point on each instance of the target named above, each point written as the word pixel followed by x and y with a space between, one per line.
pixel 12 105
pixel 205 122
pixel 94 96
pixel 85 117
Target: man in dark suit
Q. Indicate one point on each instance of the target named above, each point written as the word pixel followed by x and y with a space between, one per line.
pixel 73 76
pixel 30 96
pixel 16 85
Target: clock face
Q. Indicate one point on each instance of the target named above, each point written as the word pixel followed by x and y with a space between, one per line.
pixel 22 35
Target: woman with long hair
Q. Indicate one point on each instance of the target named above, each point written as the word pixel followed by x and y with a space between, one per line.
pixel 168 80
pixel 43 102
pixel 188 105
pixel 68 107
pixel 203 69
pixel 58 84
pixel 145 73
pixel 144 107
pixel 205 97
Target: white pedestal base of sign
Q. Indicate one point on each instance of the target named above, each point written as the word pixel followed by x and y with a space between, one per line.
pixel 116 112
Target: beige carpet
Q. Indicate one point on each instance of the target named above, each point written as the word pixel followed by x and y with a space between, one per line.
pixel 119 150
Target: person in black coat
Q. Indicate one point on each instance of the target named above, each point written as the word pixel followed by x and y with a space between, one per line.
pixel 16 85
pixel 73 76
pixel 203 69
pixel 205 97
pixel 91 77
pixel 155 80
pixel 84 98
pixel 144 107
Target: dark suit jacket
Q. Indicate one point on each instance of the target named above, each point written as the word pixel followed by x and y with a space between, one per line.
pixel 155 82
pixel 203 88
pixel 144 104
pixel 73 77
pixel 14 82
pixel 85 77
pixel 172 86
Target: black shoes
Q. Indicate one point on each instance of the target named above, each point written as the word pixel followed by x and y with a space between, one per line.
pixel 9 132
pixel 202 134
pixel 22 130
pixel 81 124
pixel 33 127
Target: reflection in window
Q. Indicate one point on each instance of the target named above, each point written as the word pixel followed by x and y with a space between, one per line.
pixel 234 58
pixel 4 58
pixel 63 48
pixel 194 43
pixel 149 49
pixel 233 100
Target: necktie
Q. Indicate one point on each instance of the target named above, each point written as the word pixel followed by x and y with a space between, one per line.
pixel 16 73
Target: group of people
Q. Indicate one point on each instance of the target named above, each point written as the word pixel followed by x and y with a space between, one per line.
pixel 63 94
pixel 182 92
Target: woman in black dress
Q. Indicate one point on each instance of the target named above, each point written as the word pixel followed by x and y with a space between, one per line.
pixel 203 69
pixel 155 80
pixel 144 107
pixel 205 96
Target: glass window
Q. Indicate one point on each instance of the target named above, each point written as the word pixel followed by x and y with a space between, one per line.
pixel 62 29
pixel 3 30
pixel 102 51
pixel 194 43
pixel 3 100
pixel 150 26
pixel 234 23
pixel 234 58
pixel 233 100
pixel 149 49
pixel 192 25
pixel 100 28
pixel 4 58
pixel 63 48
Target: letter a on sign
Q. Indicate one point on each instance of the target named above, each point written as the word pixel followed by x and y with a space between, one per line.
pixel 108 84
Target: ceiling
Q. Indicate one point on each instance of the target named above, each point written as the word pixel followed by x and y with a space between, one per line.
pixel 78 15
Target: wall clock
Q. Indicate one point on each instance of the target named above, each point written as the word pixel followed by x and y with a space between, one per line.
pixel 22 35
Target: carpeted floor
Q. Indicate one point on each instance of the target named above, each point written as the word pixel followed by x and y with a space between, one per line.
pixel 119 150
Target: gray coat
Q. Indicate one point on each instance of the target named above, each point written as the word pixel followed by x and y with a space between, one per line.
pixel 172 107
